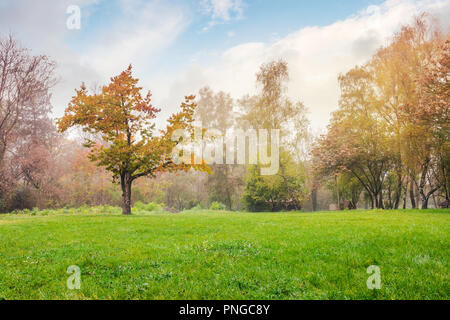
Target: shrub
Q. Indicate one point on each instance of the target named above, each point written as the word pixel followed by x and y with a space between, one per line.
pixel 23 198
pixel 217 206
pixel 197 207
pixel 107 209
pixel 147 207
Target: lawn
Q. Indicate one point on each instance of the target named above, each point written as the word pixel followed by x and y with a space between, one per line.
pixel 218 255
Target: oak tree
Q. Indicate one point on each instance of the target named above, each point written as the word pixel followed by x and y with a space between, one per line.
pixel 123 118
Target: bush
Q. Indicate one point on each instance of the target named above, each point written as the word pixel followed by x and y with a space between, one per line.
pixel 109 209
pixel 23 198
pixel 35 211
pixel 147 207
pixel 197 207
pixel 72 211
pixel 217 206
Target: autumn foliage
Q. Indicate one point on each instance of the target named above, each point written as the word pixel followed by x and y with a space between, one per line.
pixel 128 147
pixel 391 130
pixel 386 145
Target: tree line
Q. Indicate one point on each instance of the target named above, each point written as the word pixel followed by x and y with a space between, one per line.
pixel 387 144
pixel 390 135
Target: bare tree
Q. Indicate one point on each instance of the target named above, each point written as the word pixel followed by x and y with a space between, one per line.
pixel 24 80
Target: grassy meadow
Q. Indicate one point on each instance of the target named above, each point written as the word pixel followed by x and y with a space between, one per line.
pixel 221 255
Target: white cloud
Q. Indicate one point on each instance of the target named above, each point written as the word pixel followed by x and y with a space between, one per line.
pixel 41 25
pixel 316 56
pixel 143 30
pixel 222 10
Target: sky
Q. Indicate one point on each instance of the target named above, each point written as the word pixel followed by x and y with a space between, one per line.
pixel 177 47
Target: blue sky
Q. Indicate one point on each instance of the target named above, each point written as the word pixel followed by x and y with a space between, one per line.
pixel 259 21
pixel 179 46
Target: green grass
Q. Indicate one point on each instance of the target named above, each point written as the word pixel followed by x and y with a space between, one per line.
pixel 218 255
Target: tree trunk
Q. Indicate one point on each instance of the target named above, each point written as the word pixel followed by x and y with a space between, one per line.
pixel 426 197
pixel 337 193
pixel 398 193
pixel 372 201
pixel 314 199
pixel 380 204
pixel 436 205
pixel 417 193
pixel 412 195
pixel 389 197
pixel 126 182
pixel 425 203
pixel 405 195
pixel 2 153
pixel 423 180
